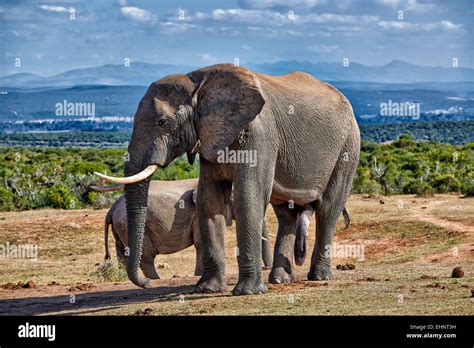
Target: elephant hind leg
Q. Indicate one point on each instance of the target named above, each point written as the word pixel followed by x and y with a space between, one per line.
pixel 328 210
pixel 282 271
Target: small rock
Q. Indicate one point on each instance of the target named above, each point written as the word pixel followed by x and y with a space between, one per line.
pixel 29 285
pixel 74 225
pixel 346 267
pixel 382 201
pixel 457 273
pixel 81 287
pixel 145 312
pixel 436 285
pixel 424 276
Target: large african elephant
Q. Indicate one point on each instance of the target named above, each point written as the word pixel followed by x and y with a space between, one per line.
pixel 290 140
pixel 170 225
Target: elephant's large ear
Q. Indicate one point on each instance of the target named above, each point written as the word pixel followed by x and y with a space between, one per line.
pixel 227 100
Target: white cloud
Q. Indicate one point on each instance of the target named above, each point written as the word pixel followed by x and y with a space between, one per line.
pixel 413 5
pixel 335 18
pixel 265 4
pixel 240 15
pixel 400 25
pixel 207 58
pixel 409 5
pixel 276 18
pixel 176 27
pixel 57 8
pixel 137 14
pixel 450 26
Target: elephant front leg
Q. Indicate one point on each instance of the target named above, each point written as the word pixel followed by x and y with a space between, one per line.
pixel 211 208
pixel 250 204
pixel 282 271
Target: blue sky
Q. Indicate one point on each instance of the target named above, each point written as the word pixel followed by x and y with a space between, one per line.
pixel 199 33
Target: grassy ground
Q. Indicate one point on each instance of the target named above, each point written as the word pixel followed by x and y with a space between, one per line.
pixel 410 246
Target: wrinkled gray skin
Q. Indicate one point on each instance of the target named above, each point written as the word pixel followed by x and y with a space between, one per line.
pixel 170 226
pixel 307 142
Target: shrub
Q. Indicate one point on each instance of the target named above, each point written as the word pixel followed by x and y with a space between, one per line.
pixel 419 188
pixel 446 183
pixel 60 197
pixel 467 188
pixel 110 271
pixel 7 199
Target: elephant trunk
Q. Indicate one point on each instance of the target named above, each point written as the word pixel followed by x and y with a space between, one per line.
pixel 136 196
pixel 302 225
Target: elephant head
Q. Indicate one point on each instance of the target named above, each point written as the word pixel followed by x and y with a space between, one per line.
pixel 202 111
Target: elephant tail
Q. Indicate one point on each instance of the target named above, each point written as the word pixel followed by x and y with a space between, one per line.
pixel 107 223
pixel 347 219
pixel 302 225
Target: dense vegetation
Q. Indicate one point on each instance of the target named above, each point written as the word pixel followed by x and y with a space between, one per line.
pixel 60 178
pixel 448 132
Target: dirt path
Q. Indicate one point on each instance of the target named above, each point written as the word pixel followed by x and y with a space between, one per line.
pixel 463 251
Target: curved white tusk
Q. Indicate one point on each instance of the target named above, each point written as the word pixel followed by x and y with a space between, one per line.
pixel 108 188
pixel 145 173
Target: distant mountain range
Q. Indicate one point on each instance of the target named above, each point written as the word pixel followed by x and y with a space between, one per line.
pixel 142 74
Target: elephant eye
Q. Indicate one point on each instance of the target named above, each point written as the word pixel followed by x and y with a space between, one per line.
pixel 161 122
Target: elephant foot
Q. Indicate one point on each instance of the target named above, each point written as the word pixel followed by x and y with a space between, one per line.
pixel 250 286
pixel 319 272
pixel 279 275
pixel 211 284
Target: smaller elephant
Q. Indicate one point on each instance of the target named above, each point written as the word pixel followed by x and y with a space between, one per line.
pixel 171 225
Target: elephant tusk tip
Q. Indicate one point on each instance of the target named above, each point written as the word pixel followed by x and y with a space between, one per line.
pixel 145 173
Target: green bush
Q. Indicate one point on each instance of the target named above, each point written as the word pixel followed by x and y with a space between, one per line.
pixel 60 197
pixel 467 188
pixel 7 199
pixel 446 183
pixel 419 188
pixel 32 178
